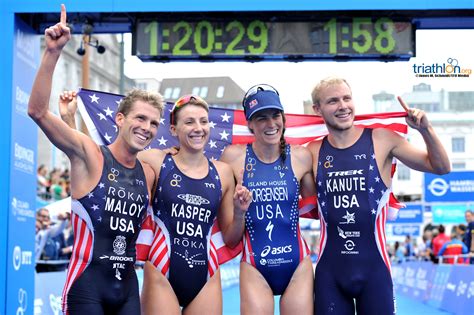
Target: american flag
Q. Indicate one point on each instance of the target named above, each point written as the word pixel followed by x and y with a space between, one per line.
pixel 228 126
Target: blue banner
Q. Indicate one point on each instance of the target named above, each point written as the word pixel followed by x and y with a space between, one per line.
pixel 21 214
pixel 406 229
pixel 448 213
pixel 412 213
pixel 455 186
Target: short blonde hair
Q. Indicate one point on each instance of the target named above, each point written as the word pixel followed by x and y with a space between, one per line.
pixel 324 83
pixel 153 98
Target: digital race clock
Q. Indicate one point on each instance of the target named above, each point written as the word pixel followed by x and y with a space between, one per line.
pixel 254 39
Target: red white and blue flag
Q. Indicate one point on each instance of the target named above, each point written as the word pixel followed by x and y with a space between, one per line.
pixel 228 126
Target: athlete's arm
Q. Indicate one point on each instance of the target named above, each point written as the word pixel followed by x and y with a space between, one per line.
pixel 434 159
pixel 150 178
pixel 153 157
pixel 313 148
pixel 234 204
pixel 61 135
pixel 303 168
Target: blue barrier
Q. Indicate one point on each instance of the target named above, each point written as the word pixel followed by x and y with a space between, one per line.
pixel 49 286
pixel 447 287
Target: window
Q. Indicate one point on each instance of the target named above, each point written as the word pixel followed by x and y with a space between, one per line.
pixel 176 92
pixel 203 92
pixel 167 93
pixel 457 144
pixel 142 86
pixel 220 92
pixel 403 172
pixel 195 90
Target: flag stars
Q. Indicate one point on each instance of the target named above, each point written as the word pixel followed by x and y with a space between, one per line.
pixel 95 207
pixel 101 185
pixel 212 124
pixel 162 121
pixel 373 156
pixel 162 142
pixel 107 137
pixel 373 211
pixel 377 201
pixel 377 179
pixel 371 190
pixel 371 167
pixel 90 195
pixel 101 116
pixel 319 183
pixel 108 112
pixel 225 117
pixel 212 144
pixel 94 98
pixel 224 135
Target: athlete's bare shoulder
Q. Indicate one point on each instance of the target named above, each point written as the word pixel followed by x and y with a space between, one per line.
pixel 234 155
pixel 314 147
pixel 233 151
pixel 301 155
pixel 154 157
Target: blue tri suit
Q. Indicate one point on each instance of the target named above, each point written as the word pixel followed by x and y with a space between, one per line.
pixel 101 276
pixel 272 240
pixel 353 205
pixel 185 209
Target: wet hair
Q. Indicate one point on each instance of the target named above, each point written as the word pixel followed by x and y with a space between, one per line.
pixel 324 83
pixel 152 98
pixel 193 100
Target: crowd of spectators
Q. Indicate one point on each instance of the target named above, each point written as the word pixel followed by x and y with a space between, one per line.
pixel 439 246
pixel 54 238
pixel 52 185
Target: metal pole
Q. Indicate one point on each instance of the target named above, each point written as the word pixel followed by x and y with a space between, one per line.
pixel 122 62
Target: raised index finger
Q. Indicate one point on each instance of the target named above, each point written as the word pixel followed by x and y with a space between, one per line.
pixel 240 179
pixel 402 102
pixel 63 14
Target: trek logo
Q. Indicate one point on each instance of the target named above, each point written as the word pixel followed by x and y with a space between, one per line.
pixel 346 173
pixel 276 250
